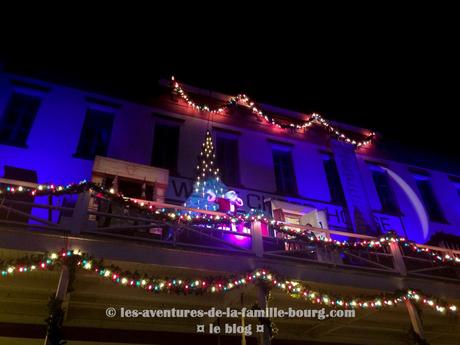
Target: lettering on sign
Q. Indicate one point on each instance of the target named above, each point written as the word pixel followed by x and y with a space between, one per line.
pixel 337 216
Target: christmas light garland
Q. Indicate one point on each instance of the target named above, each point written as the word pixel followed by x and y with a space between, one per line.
pixel 101 192
pixel 195 218
pixel 386 239
pixel 200 286
pixel 315 119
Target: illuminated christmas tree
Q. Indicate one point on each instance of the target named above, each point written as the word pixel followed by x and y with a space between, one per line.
pixel 208 179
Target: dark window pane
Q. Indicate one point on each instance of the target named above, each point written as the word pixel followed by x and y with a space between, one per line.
pixel 386 196
pixel 165 147
pixel 430 201
pixel 333 181
pixel 284 172
pixel 456 182
pixel 19 174
pixel 95 135
pixel 227 160
pixel 18 118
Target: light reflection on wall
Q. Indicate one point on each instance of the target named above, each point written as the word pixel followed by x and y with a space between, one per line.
pixel 416 203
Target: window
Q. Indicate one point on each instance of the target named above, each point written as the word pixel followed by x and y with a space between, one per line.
pixel 284 171
pixel 333 179
pixel 429 198
pixel 165 146
pixel 95 135
pixel 18 118
pixel 227 159
pixel 456 182
pixel 384 191
pixel 131 188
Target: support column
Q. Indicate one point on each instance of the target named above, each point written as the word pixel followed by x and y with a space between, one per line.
pixel 262 301
pixel 63 283
pixel 80 213
pixel 257 238
pixel 61 291
pixel 415 319
pixel 398 259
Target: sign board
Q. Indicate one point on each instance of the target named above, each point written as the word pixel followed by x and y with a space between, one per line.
pixel 337 216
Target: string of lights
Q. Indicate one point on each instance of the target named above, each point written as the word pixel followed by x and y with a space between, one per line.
pixel 379 243
pixel 206 219
pixel 293 288
pixel 110 193
pixel 242 99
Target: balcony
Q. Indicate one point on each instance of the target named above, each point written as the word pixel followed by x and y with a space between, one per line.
pixel 146 235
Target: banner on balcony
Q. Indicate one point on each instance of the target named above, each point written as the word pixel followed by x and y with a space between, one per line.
pixel 337 217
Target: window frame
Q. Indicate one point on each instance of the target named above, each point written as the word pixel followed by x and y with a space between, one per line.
pixel 338 195
pixel 288 149
pixel 109 112
pixel 227 136
pixel 19 121
pixel 171 124
pixel 440 217
pixel 392 206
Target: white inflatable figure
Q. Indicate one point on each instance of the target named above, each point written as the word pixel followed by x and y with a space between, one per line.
pixel 228 203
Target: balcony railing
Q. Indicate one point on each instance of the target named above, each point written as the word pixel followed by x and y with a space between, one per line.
pixel 93 215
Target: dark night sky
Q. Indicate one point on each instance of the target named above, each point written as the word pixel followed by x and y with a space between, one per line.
pixel 402 84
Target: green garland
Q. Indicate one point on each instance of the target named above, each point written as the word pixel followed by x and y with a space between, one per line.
pixel 219 284
pixel 204 219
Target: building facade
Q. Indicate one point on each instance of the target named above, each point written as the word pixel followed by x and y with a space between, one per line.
pixel 334 180
pixel 54 133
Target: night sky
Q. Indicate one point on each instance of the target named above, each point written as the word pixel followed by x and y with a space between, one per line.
pixel 405 87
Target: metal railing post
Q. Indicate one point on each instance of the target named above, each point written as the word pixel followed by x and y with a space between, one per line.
pixel 80 213
pixel 50 210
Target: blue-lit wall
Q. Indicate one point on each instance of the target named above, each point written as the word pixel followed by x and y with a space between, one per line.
pixel 53 140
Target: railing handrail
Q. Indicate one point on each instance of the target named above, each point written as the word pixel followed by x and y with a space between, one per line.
pixel 18 182
pixel 313 229
pixel 441 249
pixel 329 231
pixel 158 204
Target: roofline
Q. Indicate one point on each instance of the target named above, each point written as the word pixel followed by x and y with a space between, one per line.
pixel 268 107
